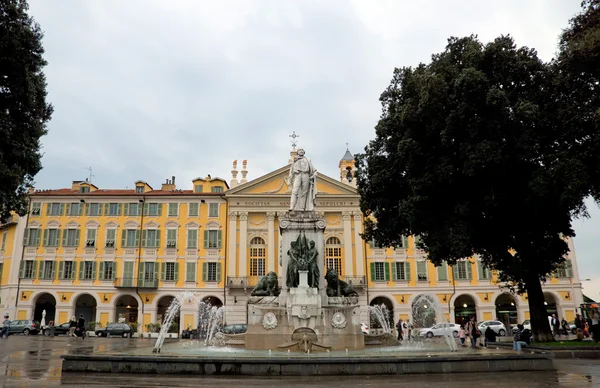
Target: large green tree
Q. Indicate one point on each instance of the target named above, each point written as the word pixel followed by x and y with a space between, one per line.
pixel 470 154
pixel 24 111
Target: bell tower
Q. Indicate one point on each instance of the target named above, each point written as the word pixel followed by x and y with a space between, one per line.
pixel 347 168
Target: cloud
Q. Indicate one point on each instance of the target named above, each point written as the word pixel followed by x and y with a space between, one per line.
pixel 146 89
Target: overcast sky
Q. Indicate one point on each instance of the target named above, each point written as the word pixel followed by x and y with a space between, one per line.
pixel 149 89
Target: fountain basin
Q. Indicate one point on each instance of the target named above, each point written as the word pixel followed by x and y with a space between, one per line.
pixel 334 363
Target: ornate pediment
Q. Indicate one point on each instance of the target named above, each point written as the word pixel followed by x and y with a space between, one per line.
pixel 72 225
pixel 34 224
pixel 276 183
pixel 112 225
pixel 192 225
pixel 132 224
pixel 151 225
pixel 172 224
pixel 92 224
pixel 213 225
pixel 53 224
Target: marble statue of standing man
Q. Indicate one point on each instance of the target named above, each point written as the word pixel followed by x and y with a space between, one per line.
pixel 303 178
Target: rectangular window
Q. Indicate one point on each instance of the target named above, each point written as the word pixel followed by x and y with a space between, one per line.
pixel 94 209
pixel 111 235
pixel 212 239
pixel 421 270
pixel 173 209
pixel 257 261
pixel 171 238
pixel 130 238
pixel 334 263
pixel 68 271
pixel 217 189
pixel 90 238
pixel 132 209
pixel 192 238
pixel 565 270
pixel 154 209
pixel 442 272
pixel 88 270
pixel 379 272
pixel 484 273
pixel 55 209
pixel 462 270
pixel 190 272
pixel 70 237
pixel 198 189
pixel 108 272
pixel 36 208
pixel 3 245
pixel 193 209
pixel 114 209
pixel 211 274
pixel 400 271
pixel 28 269
pixel 213 210
pixel 151 238
pixel 170 272
pixel 48 272
pixel 51 237
pixel 73 209
pixel 84 189
pixel 139 189
pixel 149 273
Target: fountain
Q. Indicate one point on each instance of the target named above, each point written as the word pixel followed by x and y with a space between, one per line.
pixel 309 325
pixel 427 311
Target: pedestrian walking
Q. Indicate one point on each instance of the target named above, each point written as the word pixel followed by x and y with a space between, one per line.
pixel 462 334
pixel 5 327
pixel 555 324
pixel 399 329
pixel 81 326
pixel 595 326
pixel 72 326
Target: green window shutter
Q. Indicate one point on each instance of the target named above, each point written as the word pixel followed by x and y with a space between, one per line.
pixel 119 209
pixel 480 270
pixel 62 209
pixel 64 238
pixel 407 271
pixel 144 238
pixel 53 273
pixel 218 272
pixel 93 271
pixel 139 209
pixel 219 239
pixel 442 272
pixel 87 209
pixel 455 271
pixel 21 269
pixel 137 238
pixel 386 268
pixel 81 269
pixel 101 271
pixel 176 271
pixel 36 241
pixel 106 209
pixel 146 208
pixel 204 272
pixel 80 209
pixel 25 237
pixel 141 273
pixel 68 209
pixel 372 268
pixel 48 206
pixel 404 242
pixel 125 209
pixel 57 238
pixel 77 235
pixel 124 238
pixel 61 268
pixel 469 270
pixel 41 266
pixel 190 272
pixel 569 266
pixel 73 269
pixel 394 271
pixel 160 206
pixel 157 239
pixel 45 240
pixel 163 270
pixel 205 239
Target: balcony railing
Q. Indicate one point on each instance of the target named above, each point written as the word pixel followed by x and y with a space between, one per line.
pixel 135 282
pixel 246 281
pixel 356 281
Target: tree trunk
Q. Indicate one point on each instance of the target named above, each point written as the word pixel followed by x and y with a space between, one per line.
pixel 540 326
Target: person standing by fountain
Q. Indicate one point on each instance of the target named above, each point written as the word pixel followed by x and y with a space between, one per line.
pixel 72 326
pixel 399 328
pixel 472 331
pixel 5 327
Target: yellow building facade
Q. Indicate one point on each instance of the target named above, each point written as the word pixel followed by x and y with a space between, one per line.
pixel 124 254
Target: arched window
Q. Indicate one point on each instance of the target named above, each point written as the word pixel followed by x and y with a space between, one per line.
pixel 333 255
pixel 257 257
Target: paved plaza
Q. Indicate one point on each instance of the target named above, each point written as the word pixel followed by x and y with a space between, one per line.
pixel 35 362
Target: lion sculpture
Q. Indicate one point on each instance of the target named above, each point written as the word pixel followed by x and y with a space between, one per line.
pixel 267 286
pixel 337 287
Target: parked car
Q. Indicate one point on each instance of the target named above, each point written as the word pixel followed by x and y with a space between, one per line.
pixel 115 329
pixel 23 326
pixel 234 329
pixel 439 330
pixel 497 326
pixel 60 329
pixel 364 328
